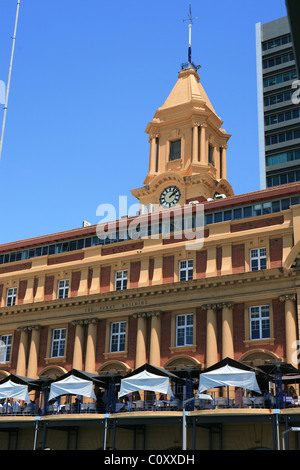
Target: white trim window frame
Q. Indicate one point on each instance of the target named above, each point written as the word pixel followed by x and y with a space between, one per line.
pixel 186 270
pixel 117 336
pixel 260 322
pixel 258 259
pixel 63 289
pixel 5 348
pixel 121 280
pixel 185 329
pixel 11 296
pixel 58 342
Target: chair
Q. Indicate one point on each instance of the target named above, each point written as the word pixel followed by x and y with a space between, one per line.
pixel 197 404
pixel 174 404
pixel 17 409
pixel 221 402
pixel 159 405
pixel 84 408
pixel 259 402
pixel 207 406
pixel 246 402
pixel 51 409
pixel 67 408
pixel 92 407
pixel 139 405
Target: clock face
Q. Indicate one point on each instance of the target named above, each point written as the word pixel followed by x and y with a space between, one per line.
pixel 170 196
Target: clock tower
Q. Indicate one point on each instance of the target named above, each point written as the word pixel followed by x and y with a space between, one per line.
pixel 187 160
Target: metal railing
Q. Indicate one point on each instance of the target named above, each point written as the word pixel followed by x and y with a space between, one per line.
pixel 213 402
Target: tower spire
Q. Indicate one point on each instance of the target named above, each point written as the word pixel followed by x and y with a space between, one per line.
pixel 190 19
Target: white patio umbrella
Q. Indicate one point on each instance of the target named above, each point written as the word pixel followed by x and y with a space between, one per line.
pixel 145 381
pixel 10 389
pixel 72 385
pixel 228 376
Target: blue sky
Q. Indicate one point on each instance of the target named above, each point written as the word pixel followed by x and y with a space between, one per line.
pixel 88 76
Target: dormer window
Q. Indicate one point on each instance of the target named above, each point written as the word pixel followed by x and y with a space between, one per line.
pixel 175 150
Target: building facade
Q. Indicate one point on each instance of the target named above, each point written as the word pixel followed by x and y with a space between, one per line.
pixel 278 115
pixel 161 288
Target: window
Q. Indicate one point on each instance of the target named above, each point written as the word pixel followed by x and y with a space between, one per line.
pixel 280 78
pixel 210 154
pixel 284 137
pixel 11 297
pixel 5 348
pixel 121 280
pixel 63 289
pixel 259 322
pixel 58 342
pixel 278 98
pixel 276 180
pixel 276 42
pixel 184 330
pixel 258 259
pixel 117 336
pixel 186 270
pixel 175 150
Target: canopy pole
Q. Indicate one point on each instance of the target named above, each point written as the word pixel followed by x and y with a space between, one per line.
pixel 106 416
pixel 36 431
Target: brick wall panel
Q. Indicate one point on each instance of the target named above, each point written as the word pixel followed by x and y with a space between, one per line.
pixel 105 279
pixel 75 281
pixel 135 269
pixel 22 291
pixel 49 285
pixel 201 263
pixel 238 259
pixel 168 269
pixel 276 248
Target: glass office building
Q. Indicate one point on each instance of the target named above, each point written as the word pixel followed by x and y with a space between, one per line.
pixel 278 110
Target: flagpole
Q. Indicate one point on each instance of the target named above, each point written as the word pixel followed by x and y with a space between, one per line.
pixel 9 77
pixel 190 19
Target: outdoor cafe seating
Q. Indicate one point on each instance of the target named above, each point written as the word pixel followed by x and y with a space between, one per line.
pixel 225 385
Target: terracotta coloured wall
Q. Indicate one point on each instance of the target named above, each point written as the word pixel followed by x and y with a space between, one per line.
pixel 168 269
pixel 49 284
pixel 105 279
pixel 238 259
pixel 201 262
pixel 276 247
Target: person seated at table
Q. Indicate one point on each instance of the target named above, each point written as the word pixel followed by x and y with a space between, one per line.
pixel 17 406
pixel 7 405
pixel 100 402
pixel 269 399
pixel 292 393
